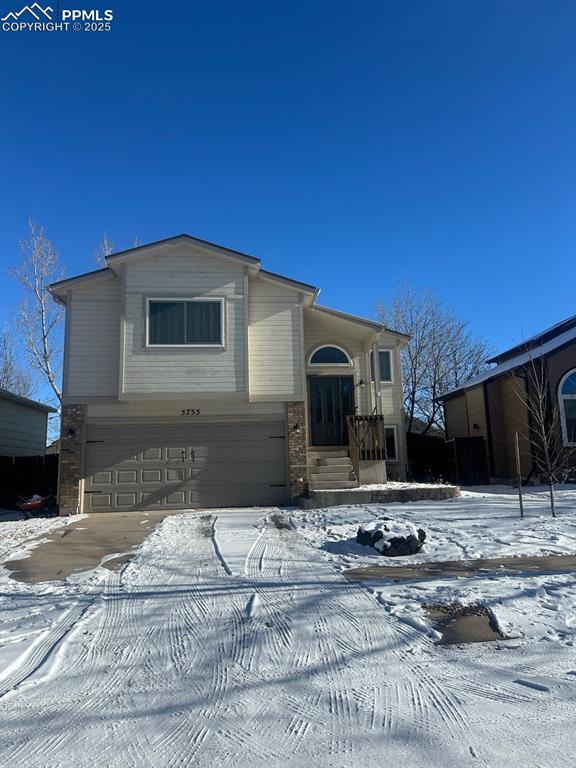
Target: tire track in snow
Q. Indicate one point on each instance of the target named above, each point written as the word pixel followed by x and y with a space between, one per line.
pixel 338 702
pixel 420 694
pixel 114 636
pixel 42 649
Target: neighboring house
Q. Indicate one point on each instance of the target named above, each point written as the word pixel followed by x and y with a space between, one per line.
pixel 195 378
pixel 489 407
pixel 23 425
pixel 421 427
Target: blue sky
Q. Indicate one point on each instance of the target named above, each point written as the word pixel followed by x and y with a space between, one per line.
pixel 347 144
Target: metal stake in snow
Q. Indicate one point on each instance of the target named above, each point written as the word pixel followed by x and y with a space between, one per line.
pixel 519 473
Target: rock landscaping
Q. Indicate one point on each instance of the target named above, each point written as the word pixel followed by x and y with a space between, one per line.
pixel 392 539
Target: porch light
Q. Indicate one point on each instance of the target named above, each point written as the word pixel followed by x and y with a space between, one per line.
pixel 71 434
pixel 296 428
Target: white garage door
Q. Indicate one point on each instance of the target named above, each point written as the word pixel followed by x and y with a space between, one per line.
pixel 131 467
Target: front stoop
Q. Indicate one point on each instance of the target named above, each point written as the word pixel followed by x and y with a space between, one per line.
pixel 330 469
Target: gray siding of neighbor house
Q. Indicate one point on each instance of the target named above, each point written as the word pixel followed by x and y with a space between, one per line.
pixel 22 429
pixel 93 339
pixel 179 370
pixel 274 341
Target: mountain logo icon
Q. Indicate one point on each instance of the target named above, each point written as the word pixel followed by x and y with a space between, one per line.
pixel 34 10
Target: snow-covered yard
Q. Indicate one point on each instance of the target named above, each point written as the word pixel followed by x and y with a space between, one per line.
pixel 16 530
pixel 483 523
pixel 231 639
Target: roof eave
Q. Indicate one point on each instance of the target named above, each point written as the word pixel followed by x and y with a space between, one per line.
pixel 55 288
pixel 27 401
pixel 296 284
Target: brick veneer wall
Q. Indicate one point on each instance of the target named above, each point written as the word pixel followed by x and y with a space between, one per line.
pixel 70 471
pixel 297 451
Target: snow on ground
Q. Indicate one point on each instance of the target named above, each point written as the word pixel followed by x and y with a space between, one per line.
pixel 230 640
pixel 483 523
pixel 27 612
pixel 392 485
pixel 16 530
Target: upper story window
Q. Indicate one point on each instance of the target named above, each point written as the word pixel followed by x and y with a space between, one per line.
pixel 329 355
pixel 567 404
pixel 185 322
pixel 385 365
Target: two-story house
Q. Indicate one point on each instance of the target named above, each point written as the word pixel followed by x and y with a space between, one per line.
pixel 195 378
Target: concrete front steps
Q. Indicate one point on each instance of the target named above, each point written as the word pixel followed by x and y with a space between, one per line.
pixel 330 469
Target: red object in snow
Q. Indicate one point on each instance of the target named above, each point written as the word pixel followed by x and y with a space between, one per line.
pixel 31 505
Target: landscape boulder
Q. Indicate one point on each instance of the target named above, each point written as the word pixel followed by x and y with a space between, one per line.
pixel 392 539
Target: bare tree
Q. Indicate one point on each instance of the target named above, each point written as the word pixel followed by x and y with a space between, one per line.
pixel 39 315
pixel 543 430
pixel 105 248
pixel 14 376
pixel 442 354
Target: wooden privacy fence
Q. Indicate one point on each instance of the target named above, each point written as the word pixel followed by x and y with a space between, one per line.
pixel 366 440
pixel 25 476
pixel 430 458
pixel 471 458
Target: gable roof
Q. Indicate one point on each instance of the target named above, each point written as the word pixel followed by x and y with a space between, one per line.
pixel 517 361
pixel 6 395
pixel 140 250
pixel 120 257
pixel 251 261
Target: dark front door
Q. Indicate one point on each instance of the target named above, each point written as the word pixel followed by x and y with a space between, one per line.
pixel 331 400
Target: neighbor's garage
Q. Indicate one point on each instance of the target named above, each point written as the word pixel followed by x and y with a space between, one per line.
pixel 139 467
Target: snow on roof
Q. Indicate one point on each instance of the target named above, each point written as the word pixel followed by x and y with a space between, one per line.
pixel 515 362
pixel 543 336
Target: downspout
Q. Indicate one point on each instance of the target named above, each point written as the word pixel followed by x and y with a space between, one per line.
pixel 489 434
pixel 377 381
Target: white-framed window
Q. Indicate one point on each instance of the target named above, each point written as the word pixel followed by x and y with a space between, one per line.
pixel 386 376
pixel 391 443
pixel 329 354
pixel 567 406
pixel 190 322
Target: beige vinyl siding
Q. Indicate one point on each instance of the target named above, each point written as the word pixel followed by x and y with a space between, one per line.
pixel 22 429
pixel 182 275
pixel 93 339
pixel 395 406
pixel 274 343
pixel 168 411
pixel 392 396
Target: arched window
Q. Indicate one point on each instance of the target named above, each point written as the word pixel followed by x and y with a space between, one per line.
pixel 329 355
pixel 567 404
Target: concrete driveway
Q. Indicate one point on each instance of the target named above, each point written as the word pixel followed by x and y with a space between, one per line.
pixel 109 539
pixel 229 641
